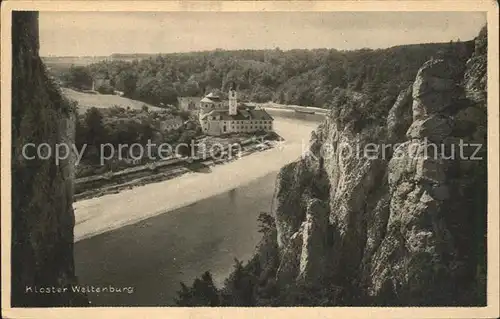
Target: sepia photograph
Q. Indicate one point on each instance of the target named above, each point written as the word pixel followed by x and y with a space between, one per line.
pixel 204 157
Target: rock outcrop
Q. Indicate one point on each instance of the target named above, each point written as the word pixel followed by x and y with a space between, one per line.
pixel 404 224
pixel 42 191
pixel 400 116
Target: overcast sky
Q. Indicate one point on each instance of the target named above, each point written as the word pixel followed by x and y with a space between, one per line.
pixel 104 33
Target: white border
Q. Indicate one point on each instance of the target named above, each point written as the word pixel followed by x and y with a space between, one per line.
pixel 491 311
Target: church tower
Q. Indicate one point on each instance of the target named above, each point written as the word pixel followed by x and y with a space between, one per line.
pixel 233 102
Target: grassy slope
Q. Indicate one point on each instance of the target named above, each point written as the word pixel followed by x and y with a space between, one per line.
pixel 86 101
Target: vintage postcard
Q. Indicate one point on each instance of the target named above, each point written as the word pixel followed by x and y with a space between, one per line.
pixel 220 159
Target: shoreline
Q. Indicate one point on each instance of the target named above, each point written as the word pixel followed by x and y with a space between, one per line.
pixel 178 246
pixel 295 108
pixel 131 195
pixel 97 215
pixel 169 171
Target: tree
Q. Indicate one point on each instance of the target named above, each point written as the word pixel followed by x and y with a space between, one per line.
pixel 126 81
pixel 305 77
pixel 266 223
pixel 95 132
pixel 78 77
pixel 80 133
pixel 239 287
pixel 184 115
pixel 202 293
pixel 186 139
pixel 145 132
pixel 191 88
pixel 166 94
pixel 105 89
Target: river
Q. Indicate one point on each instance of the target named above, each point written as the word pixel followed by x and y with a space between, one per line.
pixel 150 238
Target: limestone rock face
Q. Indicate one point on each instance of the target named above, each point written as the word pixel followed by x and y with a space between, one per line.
pixel 435 128
pixel 435 87
pixel 314 236
pixel 400 115
pixel 404 227
pixel 291 183
pixel 290 258
pixel 475 75
pixel 42 191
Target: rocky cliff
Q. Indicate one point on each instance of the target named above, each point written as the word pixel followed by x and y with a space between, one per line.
pixel 42 191
pixel 394 213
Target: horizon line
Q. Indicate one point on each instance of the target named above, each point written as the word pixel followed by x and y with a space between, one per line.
pixel 263 49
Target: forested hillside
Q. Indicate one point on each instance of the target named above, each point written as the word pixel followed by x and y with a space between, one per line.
pixel 302 77
pixel 406 229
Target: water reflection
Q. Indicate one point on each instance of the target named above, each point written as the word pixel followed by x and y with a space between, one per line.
pixel 154 255
pixel 296 115
pixel 232 196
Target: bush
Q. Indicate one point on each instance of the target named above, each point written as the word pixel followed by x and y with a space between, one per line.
pixel 202 293
pixel 105 89
pixel 78 77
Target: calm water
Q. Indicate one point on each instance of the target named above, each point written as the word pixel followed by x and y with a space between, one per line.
pixel 303 117
pixel 153 256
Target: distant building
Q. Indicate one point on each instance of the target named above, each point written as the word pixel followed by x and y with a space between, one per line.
pixel 189 103
pixel 218 117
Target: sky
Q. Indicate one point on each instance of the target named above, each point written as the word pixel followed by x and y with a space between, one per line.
pixel 105 33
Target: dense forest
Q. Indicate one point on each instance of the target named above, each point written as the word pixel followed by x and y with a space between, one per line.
pixel 300 77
